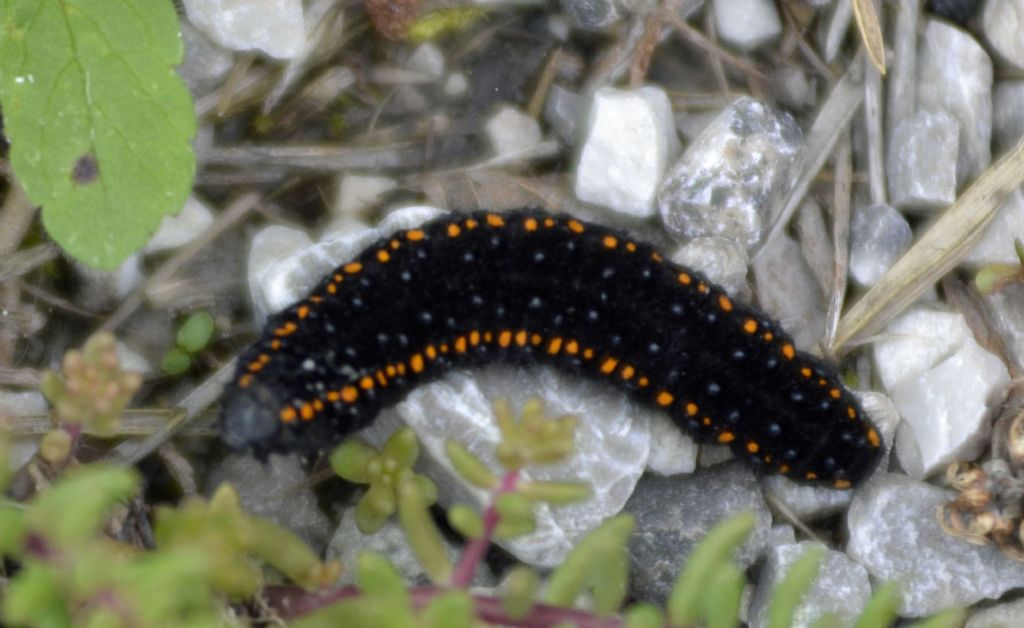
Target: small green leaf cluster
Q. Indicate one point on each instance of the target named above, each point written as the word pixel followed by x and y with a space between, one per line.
pixel 72 574
pixel 192 337
pixel 89 393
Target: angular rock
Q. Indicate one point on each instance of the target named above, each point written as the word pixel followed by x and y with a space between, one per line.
pixel 996 244
pixel 922 161
pixel 943 383
pixel 563 112
pixel 674 513
pixel 1006 615
pixel 879 235
pixel 512 132
pixel 840 590
pixel 895 534
pixel 1008 113
pixel 20 404
pixel 630 140
pixel 177 231
pixel 613 440
pixel 746 24
pixel 428 60
pixel 205 65
pixel 955 75
pixel 1002 22
pixel 592 14
pixel 730 179
pixel 274 27
pixel 359 192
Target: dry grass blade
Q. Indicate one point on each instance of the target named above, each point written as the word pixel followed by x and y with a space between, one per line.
pixel 870 32
pixel 937 252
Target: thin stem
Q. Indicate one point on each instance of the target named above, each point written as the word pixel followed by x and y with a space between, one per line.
pixel 477 548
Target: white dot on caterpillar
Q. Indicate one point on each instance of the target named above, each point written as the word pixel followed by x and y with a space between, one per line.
pixel 308 364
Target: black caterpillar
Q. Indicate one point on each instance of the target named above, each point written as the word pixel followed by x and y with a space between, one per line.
pixel 528 286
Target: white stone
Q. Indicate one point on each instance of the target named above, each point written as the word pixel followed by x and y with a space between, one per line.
pixel 943 383
pixel 955 75
pixel 630 140
pixel 1008 113
pixel 511 132
pixel 996 244
pixel 359 192
pixel 131 360
pixel 20 404
pixel 840 590
pixel 1002 21
pixel 917 341
pixel 1006 615
pixel 733 176
pixel 672 451
pixel 428 60
pixel 895 534
pixel 285 264
pixel 613 438
pixel 177 231
pixel 922 160
pixel 206 64
pixel 455 85
pixel 946 411
pixel 746 24
pixel 879 235
pixel 274 27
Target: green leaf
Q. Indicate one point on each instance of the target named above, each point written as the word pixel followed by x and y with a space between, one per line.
pixel 949 618
pixel 471 468
pixel 34 599
pixel 518 591
pixel 644 615
pixel 175 362
pixel 689 593
pixel 724 596
pixel 75 508
pixel 881 609
pixel 600 550
pixel 351 460
pixel 195 332
pixel 448 610
pixel 466 521
pixel 98 121
pixel 794 586
pixel 423 535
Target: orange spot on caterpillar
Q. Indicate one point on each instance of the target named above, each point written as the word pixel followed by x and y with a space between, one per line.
pixel 610 241
pixel 332 288
pixel 702 288
pixel 366 383
pixel 318 405
pixel 416 363
pixel 572 347
pixel 588 354
pixel 275 344
pixel 768 336
pixel 471 224
pixel 631 247
pixel 784 469
pixel 381 379
pixel 536 339
pixel 685 279
pixel 806 372
pixel 664 398
pixel 306 412
pixel 495 220
pixel 395 244
pixel 841 484
pixel 460 344
pixel 835 393
pixel 726 437
pixel 643 381
pixel 255 366
pixel 415 235
pixel 725 303
pixel 401 368
pixel 383 256
pixel 353 268
pixel 873 438
pixel 788 351
pixel 288 414
pixel 332 396
pixel 488 336
pixel 752 447
pixel 530 224
pixel 505 338
pixel 286 329
pixel 245 381
pixel 555 346
pixel 851 412
pixel 549 222
pixel 691 409
pixel 656 257
pixel 315 299
pixel 349 394
pixel 303 311
pixel 474 338
pixel 750 325
pixel 521 338
pixel 627 372
pixel 811 475
pixel 609 365
pixel 390 370
pixel 454 231
pixel 431 352
pixel 575 226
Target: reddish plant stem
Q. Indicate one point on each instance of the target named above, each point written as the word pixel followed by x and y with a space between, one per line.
pixel 477 548
pixel 291 602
